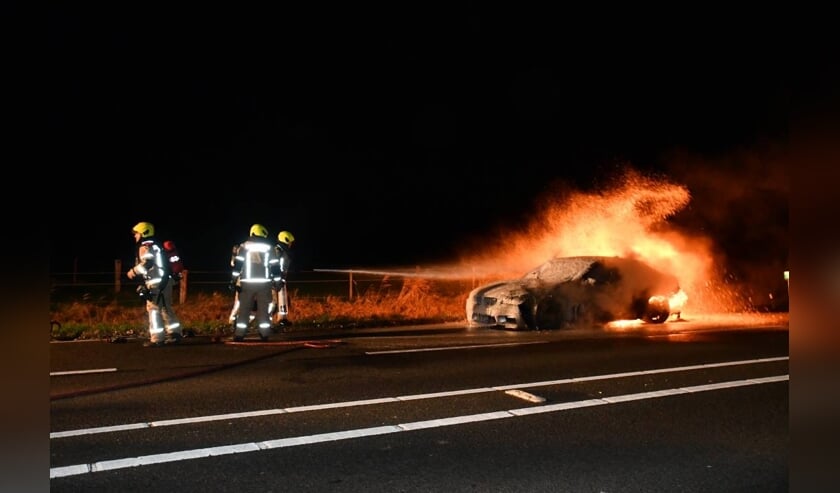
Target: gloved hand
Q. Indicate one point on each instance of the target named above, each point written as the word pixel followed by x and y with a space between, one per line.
pixel 144 292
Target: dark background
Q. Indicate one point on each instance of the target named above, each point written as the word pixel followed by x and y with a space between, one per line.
pixel 389 134
pixel 387 137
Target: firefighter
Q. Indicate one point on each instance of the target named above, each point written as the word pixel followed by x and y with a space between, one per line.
pixel 255 272
pixel 235 310
pixel 152 267
pixel 283 247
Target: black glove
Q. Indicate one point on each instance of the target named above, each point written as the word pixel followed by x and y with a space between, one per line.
pixel 144 292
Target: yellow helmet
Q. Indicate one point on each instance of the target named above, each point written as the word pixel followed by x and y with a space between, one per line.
pixel 145 229
pixel 285 237
pixel 259 230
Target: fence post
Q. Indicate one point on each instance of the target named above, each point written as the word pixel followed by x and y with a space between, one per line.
pixel 182 290
pixel 117 274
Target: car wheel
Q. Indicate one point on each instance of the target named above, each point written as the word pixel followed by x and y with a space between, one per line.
pixel 548 315
pixel 527 313
pixel 658 310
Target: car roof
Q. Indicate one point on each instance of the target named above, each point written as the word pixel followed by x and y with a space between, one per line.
pixel 562 269
pixel 565 269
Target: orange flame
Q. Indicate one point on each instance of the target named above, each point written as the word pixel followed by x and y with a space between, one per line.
pixel 629 218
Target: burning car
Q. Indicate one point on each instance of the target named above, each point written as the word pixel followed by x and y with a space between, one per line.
pixel 570 291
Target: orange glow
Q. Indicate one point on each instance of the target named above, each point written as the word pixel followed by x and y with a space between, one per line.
pixel 624 324
pixel 629 218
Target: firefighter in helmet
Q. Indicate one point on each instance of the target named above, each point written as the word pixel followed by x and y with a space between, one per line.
pixel 255 272
pixel 285 239
pixel 152 267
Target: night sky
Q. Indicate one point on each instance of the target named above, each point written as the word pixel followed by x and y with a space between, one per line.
pixel 376 137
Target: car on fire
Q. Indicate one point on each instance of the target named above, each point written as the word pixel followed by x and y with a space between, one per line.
pixel 572 291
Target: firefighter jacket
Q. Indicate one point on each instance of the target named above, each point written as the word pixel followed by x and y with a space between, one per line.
pixel 152 264
pixel 285 258
pixel 255 261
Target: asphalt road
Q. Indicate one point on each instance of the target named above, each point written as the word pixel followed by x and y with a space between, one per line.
pixel 698 405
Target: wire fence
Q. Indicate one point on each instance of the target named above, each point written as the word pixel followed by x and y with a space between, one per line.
pixel 114 285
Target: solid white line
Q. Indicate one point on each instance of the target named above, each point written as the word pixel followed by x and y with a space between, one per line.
pixel 102 429
pixel 455 420
pixel 448 393
pixel 334 405
pixel 642 372
pixel 145 460
pixel 383 400
pixel 109 465
pixel 217 417
pixel 328 437
pixel 449 348
pixel 562 406
pixel 79 372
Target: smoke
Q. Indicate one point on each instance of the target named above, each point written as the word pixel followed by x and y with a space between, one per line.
pixel 741 205
pixel 720 228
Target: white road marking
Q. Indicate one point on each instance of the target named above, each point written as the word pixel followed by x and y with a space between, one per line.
pixel 449 348
pixel 109 465
pixel 343 435
pixel 103 370
pixel 80 372
pixel 383 400
pixel 525 395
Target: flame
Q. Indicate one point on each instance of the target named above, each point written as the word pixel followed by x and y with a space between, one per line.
pixel 624 324
pixel 677 301
pixel 628 217
pixel 631 215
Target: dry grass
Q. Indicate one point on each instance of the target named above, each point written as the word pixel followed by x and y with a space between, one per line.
pixel 207 314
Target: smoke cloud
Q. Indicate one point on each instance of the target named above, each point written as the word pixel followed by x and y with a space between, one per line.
pixel 720 227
